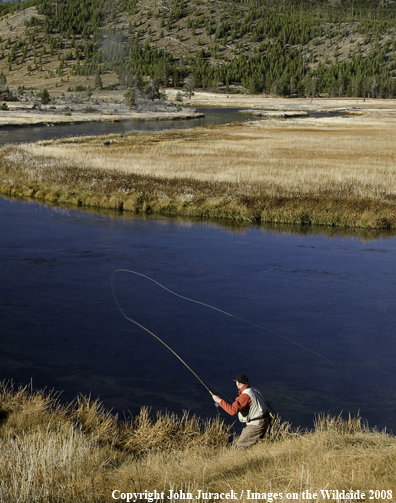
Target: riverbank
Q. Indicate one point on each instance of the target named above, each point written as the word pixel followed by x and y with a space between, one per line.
pixel 82 453
pixel 50 119
pixel 28 111
pixel 333 171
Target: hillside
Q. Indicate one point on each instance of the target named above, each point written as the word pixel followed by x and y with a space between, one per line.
pixel 288 48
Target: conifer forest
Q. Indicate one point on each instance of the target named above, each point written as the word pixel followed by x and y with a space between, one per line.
pixel 293 48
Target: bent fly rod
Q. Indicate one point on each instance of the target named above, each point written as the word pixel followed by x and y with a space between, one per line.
pixel 149 331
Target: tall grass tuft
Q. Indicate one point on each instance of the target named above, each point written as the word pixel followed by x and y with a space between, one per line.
pixel 327 422
pixel 92 419
pixel 143 433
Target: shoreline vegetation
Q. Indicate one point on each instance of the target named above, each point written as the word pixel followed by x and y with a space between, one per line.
pixel 328 171
pixel 82 452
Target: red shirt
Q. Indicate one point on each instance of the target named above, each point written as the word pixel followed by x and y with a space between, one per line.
pixel 242 402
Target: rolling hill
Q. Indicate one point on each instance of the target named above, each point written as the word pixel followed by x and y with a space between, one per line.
pixel 285 48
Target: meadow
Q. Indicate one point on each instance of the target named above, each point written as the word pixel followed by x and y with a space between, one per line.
pixel 79 452
pixel 333 171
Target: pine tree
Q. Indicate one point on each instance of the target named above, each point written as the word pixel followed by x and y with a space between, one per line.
pixel 3 81
pixel 45 97
pixel 98 80
pixel 189 84
pixel 130 98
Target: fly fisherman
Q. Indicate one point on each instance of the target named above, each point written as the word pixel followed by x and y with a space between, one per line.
pixel 251 409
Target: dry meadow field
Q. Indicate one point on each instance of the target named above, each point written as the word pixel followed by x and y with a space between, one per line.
pixel 337 171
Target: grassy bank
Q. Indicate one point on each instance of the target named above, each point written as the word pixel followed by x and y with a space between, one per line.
pixel 332 171
pixel 81 453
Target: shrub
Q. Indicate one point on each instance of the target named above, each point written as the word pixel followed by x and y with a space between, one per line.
pixel 45 96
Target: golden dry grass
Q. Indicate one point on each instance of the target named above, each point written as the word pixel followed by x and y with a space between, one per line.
pixel 332 171
pixel 309 157
pixel 82 453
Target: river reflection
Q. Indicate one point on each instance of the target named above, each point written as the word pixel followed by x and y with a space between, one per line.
pixel 324 305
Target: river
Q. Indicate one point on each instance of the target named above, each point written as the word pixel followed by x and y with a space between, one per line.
pixel 324 309
pixel 309 317
pixel 212 116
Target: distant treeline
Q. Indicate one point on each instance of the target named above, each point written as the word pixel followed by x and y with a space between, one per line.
pixel 277 46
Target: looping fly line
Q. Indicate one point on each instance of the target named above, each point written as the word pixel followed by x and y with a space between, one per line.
pixel 215 309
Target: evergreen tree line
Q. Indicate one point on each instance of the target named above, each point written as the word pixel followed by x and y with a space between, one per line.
pixel 275 71
pixel 283 37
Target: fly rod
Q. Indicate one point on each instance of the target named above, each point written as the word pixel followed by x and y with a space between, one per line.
pixel 151 333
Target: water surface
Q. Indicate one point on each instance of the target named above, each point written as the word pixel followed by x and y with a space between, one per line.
pixel 325 304
pixel 212 116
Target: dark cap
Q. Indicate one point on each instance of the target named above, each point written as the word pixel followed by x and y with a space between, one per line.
pixel 242 378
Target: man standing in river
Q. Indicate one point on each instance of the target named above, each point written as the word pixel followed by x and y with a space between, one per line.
pixel 251 409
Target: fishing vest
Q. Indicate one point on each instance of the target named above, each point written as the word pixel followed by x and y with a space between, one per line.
pixel 257 410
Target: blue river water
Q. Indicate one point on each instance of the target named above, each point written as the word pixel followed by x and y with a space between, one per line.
pixel 313 320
